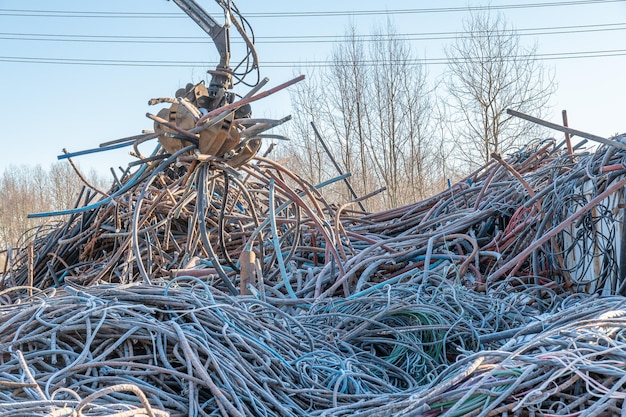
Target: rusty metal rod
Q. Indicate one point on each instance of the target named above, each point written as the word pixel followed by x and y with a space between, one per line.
pixel 571 131
pixel 244 101
pixel 550 234
pixel 337 167
pixel 567 136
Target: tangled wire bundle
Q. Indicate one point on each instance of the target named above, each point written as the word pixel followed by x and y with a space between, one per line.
pixel 135 350
pixel 194 289
pixel 189 351
pixel 542 217
pixel 168 220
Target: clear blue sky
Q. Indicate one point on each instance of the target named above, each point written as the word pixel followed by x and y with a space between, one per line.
pixel 46 107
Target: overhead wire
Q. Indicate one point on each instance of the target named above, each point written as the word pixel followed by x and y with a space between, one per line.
pixel 304 64
pixel 160 15
pixel 287 38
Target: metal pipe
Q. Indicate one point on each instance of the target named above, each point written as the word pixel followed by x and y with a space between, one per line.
pixel 330 155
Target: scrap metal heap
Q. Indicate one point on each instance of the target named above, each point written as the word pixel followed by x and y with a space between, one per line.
pixel 213 281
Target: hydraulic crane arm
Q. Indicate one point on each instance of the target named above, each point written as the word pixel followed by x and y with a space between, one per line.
pixel 221 80
pixel 218 33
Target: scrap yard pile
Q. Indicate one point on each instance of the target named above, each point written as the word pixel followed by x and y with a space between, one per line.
pixel 210 280
pixel 198 289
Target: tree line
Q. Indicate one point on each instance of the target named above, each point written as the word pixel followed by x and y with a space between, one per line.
pixel 33 189
pixel 390 125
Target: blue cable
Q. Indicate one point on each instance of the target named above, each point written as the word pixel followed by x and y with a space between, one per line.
pixel 97 204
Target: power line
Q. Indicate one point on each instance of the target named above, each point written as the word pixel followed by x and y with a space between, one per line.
pixel 435 9
pixel 305 64
pixel 163 15
pixel 553 30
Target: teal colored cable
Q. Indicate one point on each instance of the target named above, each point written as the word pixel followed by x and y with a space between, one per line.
pixel 286 204
pixel 97 204
pixel 276 243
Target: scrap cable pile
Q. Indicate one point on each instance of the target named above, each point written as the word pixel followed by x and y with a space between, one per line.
pixel 114 350
pixel 492 230
pixel 210 281
pixel 542 216
pixel 173 221
pixel 196 287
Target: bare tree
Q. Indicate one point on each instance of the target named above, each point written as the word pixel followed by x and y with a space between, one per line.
pixel 304 154
pixel 63 184
pixel 373 107
pixel 443 164
pixel 489 71
pixel 347 77
pixel 401 101
pixel 25 190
